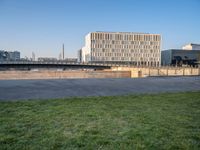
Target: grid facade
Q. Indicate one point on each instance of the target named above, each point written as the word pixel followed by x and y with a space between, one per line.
pixel 122 47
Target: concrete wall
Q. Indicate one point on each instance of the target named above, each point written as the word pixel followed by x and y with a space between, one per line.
pixel 159 71
pixel 115 72
pixel 62 74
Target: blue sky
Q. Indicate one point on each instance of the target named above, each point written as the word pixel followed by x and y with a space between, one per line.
pixel 41 26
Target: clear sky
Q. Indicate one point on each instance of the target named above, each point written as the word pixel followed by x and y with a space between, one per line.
pixel 41 26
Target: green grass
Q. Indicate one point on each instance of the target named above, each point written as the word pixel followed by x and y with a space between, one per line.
pixel 160 121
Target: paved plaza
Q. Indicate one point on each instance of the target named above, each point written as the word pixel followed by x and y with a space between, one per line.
pixel 61 88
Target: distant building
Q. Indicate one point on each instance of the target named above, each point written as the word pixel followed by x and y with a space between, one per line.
pixel 72 60
pixel 60 57
pixel 47 59
pixel 63 52
pixel 14 56
pixel 33 56
pixel 4 55
pixel 122 47
pixel 180 57
pixel 9 56
pixel 79 55
pixel 191 46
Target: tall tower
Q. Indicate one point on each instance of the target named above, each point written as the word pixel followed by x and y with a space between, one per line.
pixel 33 56
pixel 63 52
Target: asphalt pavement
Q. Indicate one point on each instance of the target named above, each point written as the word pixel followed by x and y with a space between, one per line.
pixel 60 88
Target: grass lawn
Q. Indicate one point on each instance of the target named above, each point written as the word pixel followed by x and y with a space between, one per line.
pixel 158 121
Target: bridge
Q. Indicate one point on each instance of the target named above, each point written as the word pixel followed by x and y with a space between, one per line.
pixel 30 65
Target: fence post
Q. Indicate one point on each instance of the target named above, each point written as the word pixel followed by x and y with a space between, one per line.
pixel 199 71
pixel 149 72
pixel 167 71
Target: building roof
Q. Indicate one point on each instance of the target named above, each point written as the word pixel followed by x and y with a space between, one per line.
pixel 122 32
pixel 194 44
pixel 184 50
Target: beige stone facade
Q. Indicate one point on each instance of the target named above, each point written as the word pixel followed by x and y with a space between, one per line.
pixel 122 47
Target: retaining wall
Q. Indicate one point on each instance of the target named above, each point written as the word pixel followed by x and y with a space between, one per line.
pixel 115 72
pixel 62 74
pixel 160 71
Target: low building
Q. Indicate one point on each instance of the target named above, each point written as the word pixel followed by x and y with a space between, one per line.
pixel 141 49
pixel 47 59
pixel 71 60
pixel 191 46
pixel 9 56
pixel 180 57
pixel 14 56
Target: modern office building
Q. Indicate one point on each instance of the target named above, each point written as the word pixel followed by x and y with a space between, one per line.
pixel 3 55
pixel 139 49
pixel 14 56
pixel 180 57
pixel 191 46
pixel 9 56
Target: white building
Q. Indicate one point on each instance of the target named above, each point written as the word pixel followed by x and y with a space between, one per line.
pixel 122 47
pixel 191 46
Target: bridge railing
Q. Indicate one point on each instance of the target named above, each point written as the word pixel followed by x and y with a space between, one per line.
pixel 55 63
pixel 79 64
